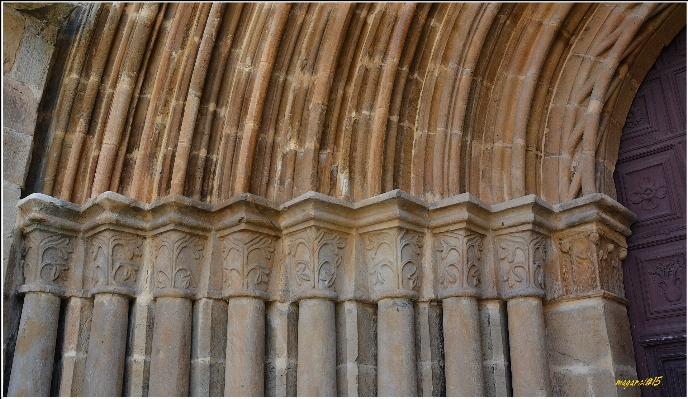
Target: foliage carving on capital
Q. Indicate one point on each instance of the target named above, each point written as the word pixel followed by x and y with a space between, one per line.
pixel 522 260
pixel 247 260
pixel 46 257
pixel 314 256
pixel 394 258
pixel 459 260
pixel 589 261
pixel 177 258
pixel 115 258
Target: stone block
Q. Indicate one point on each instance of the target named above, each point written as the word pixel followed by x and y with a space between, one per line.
pixel 10 197
pixel 137 363
pixel 12 33
pixel 19 107
pixel 74 347
pixel 208 344
pixel 32 59
pixel 430 349
pixel 52 13
pixel 280 349
pixel 16 154
pixel 495 346
pixel 588 356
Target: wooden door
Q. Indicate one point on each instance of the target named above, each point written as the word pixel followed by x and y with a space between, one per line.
pixel 650 180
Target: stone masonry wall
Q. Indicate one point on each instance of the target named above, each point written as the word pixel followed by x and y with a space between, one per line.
pixel 29 34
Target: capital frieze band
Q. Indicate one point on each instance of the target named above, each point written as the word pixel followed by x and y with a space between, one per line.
pixel 394 245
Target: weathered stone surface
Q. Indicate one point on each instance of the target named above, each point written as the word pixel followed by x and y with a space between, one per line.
pixel 430 349
pixel 16 155
pixel 396 354
pixel 107 344
pixel 462 347
pixel 33 363
pixel 474 109
pixel 208 345
pixel 495 347
pixel 12 33
pixel 139 346
pixel 530 369
pixel 32 58
pixel 19 108
pixel 171 351
pixel 245 347
pixel 53 13
pixel 77 325
pixel 317 356
pixel 281 350
pixel 589 356
pixel 356 349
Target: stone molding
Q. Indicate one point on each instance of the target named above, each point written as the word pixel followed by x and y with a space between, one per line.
pixel 390 246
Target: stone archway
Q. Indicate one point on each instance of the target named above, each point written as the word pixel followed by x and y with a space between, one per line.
pixel 651 181
pixel 383 171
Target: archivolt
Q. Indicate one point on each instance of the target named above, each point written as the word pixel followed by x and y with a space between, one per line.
pixel 351 100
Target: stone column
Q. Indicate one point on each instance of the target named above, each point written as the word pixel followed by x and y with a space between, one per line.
pixel 588 289
pixel 314 256
pixel 32 367
pixel 244 366
pixel 177 256
pixel 522 260
pixel 317 361
pixel 171 352
pixel 396 342
pixel 113 262
pixel 528 346
pixel 462 347
pixel 247 264
pixel 459 269
pixel 393 259
pixel 107 344
pixel 46 264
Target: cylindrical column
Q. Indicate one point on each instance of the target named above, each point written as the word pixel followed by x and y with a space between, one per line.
pixel 171 348
pixel 462 347
pixel 244 370
pixel 528 347
pixel 396 352
pixel 316 372
pixel 32 367
pixel 107 344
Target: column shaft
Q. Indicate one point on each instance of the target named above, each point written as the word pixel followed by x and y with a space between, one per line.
pixel 462 347
pixel 396 348
pixel 528 347
pixel 244 365
pixel 317 362
pixel 32 367
pixel 171 351
pixel 107 344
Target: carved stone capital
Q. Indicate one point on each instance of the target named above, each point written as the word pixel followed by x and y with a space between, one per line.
pixel 247 260
pixel 113 261
pixel 177 263
pixel 314 255
pixel 459 263
pixel 47 260
pixel 522 257
pixel 393 257
pixel 590 259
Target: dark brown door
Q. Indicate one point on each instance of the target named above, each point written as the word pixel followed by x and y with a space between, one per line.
pixel 650 180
